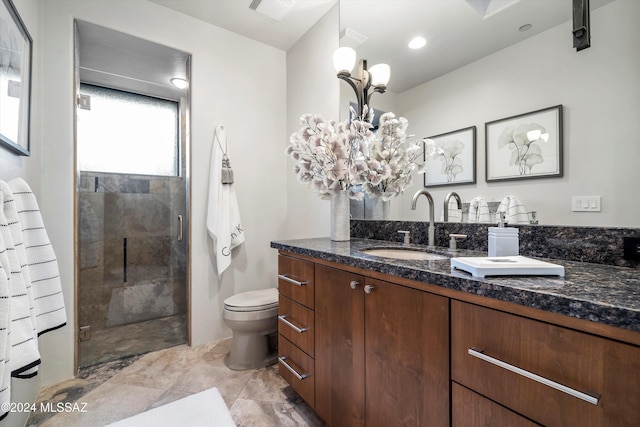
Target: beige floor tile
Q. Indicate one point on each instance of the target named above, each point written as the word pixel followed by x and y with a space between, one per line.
pixel 212 373
pixel 106 404
pixel 266 385
pixel 253 413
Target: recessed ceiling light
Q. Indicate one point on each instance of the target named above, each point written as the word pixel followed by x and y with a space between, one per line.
pixel 417 42
pixel 525 27
pixel 179 83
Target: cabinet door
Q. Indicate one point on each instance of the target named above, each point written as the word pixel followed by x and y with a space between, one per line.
pixel 339 352
pixel 407 356
pixel 552 375
pixel 470 409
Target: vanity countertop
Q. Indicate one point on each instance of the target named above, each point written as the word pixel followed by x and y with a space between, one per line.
pixel 599 293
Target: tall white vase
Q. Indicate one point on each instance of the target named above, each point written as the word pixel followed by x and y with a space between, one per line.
pixel 340 218
pixel 376 208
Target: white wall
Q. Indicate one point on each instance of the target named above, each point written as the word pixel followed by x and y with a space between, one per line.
pixel 312 87
pixel 235 81
pixel 600 90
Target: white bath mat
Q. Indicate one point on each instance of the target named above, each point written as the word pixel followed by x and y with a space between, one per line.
pixel 206 408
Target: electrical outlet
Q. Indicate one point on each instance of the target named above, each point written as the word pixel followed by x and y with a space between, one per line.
pixel 631 247
pixel 585 203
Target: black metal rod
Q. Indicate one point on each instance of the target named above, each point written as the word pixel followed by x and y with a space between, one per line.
pixel 124 267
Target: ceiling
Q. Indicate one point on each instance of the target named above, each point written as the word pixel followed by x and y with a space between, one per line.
pixel 113 59
pixel 457 34
pixel 236 16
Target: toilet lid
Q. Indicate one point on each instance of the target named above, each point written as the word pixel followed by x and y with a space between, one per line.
pixel 253 300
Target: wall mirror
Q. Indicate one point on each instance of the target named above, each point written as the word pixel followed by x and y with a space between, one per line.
pixel 456 81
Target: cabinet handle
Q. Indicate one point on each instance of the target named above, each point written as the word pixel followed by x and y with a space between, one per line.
pixel 479 353
pixel 282 359
pixel 286 278
pixel 354 284
pixel 368 289
pixel 283 319
pixel 180 228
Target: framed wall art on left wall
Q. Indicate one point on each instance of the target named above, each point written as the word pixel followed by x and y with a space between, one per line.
pixel 15 80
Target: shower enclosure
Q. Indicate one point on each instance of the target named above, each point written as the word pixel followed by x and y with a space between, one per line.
pixel 132 198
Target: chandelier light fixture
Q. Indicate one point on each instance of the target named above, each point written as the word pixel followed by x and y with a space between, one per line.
pixel 366 81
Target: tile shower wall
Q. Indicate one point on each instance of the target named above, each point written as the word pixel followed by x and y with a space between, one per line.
pixel 144 211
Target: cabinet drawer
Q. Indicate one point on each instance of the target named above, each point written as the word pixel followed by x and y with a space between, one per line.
pixel 296 323
pixel 296 280
pixel 297 369
pixel 544 372
pixel 469 409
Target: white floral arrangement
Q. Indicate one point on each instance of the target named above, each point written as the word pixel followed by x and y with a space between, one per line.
pixel 323 151
pixel 333 157
pixel 386 164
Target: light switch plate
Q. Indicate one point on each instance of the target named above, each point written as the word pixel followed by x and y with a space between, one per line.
pixel 586 203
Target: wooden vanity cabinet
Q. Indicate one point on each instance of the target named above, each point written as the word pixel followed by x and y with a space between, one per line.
pixel 296 343
pixel 382 352
pixel 469 409
pixel 550 374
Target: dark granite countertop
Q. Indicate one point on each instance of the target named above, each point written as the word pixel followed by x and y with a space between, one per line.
pixel 600 293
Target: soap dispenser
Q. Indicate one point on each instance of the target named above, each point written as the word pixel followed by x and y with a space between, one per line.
pixel 503 241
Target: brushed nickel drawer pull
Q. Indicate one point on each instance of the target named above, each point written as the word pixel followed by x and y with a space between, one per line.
pixel 283 319
pixel 286 278
pixel 479 353
pixel 282 359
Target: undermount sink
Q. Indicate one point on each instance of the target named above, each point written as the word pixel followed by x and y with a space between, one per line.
pixel 409 254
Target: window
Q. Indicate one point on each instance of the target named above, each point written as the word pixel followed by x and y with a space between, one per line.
pixel 128 133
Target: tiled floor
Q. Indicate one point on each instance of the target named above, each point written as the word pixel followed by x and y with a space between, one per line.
pixel 120 389
pixel 136 338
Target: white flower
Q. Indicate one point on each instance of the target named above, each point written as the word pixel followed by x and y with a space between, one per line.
pixel 325 153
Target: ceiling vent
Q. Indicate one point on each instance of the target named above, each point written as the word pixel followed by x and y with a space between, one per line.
pixel 486 8
pixel 351 38
pixel 274 9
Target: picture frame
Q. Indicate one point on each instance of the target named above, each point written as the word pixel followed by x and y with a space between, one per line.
pixel 455 161
pixel 526 146
pixel 16 48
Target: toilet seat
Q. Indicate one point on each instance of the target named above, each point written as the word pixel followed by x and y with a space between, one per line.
pixel 264 299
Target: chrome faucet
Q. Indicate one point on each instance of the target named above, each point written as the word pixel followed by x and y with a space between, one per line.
pixel 446 204
pixel 431 215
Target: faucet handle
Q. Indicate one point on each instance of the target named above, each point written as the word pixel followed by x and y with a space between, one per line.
pixel 452 242
pixel 407 236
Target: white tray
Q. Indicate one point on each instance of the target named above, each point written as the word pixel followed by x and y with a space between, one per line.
pixel 506 266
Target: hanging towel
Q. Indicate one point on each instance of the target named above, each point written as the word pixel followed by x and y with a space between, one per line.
pixel 223 215
pixel 41 260
pixel 514 211
pixel 5 345
pixel 23 339
pixel 479 211
pixel 455 214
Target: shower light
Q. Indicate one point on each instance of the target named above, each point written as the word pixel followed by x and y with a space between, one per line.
pixel 179 83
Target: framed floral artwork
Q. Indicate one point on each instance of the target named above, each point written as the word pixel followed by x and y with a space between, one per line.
pixel 15 80
pixel 454 161
pixel 525 146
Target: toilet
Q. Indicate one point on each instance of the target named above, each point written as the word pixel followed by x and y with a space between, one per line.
pixel 253 318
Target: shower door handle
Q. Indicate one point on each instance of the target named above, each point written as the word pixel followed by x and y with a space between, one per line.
pixel 180 235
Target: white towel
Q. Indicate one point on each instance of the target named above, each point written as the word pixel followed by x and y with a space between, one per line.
pixel 223 215
pixel 479 211
pixel 5 345
pixel 41 260
pixel 514 211
pixel 23 339
pixel 455 214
